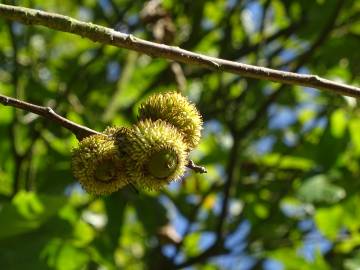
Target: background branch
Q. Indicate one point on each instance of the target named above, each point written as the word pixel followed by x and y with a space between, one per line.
pixel 109 36
pixel 18 157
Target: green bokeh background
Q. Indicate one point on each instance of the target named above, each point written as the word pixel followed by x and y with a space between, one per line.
pixel 285 157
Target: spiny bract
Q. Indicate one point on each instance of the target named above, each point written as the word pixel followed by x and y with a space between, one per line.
pixel 97 166
pixel 113 131
pixel 156 153
pixel 178 111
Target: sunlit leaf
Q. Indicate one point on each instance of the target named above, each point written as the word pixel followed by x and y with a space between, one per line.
pixel 319 189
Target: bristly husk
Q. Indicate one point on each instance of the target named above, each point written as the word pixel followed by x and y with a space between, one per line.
pixel 178 111
pixel 155 151
pixel 97 165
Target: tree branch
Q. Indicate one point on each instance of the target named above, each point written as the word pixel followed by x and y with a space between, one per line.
pixel 79 130
pixel 109 36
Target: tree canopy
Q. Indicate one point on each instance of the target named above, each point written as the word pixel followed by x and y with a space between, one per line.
pixel 282 161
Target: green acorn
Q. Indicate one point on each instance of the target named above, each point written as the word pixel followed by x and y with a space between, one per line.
pixel 155 151
pixel 96 164
pixel 178 111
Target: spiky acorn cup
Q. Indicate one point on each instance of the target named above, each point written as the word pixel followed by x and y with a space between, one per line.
pixel 96 164
pixel 178 111
pixel 156 153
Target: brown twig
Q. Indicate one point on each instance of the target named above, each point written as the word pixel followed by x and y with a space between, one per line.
pixel 79 130
pixel 109 36
pixel 196 168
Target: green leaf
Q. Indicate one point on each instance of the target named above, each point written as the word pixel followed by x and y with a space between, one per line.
pixel 338 123
pixel 329 221
pixel 292 260
pixel 353 263
pixel 333 141
pixel 318 189
pixel 64 256
pixel 287 162
pixel 354 127
pixel 29 246
pixel 27 212
pixel 346 215
pixel 191 244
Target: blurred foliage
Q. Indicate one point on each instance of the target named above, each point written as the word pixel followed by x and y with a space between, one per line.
pixel 282 188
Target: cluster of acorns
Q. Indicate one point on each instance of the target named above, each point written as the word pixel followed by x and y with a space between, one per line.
pixel 150 154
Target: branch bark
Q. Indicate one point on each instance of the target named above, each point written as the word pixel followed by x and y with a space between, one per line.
pixel 79 131
pixel 109 36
